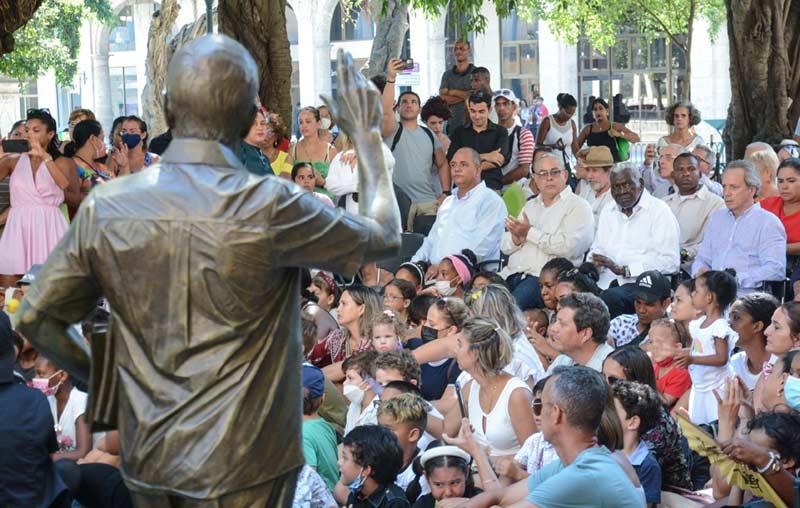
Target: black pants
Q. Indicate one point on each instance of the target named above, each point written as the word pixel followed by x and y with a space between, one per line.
pixel 95 485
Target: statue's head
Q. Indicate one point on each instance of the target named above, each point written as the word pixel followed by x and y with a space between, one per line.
pixel 212 85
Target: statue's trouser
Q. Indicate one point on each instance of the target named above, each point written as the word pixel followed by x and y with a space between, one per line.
pixel 277 493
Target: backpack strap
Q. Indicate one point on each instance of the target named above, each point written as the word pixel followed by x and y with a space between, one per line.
pixel 397 135
pixel 430 136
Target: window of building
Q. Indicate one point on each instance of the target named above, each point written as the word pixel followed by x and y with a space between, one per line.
pixel 291 25
pixel 520 56
pixel 124 91
pixel 649 73
pixel 351 25
pixel 122 36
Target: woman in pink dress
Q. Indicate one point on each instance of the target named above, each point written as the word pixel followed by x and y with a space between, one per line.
pixel 35 222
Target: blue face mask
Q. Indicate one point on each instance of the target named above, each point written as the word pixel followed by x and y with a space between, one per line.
pixel 791 392
pixel 132 140
pixel 357 483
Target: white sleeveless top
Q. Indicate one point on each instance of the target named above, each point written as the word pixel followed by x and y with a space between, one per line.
pixel 498 433
pixel 562 132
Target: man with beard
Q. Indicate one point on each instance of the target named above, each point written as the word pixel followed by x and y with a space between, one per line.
pixel 635 234
pixel 692 205
pixel 599 162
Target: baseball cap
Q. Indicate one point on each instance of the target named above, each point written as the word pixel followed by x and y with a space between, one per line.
pixel 30 275
pixel 313 381
pixel 652 286
pixel 505 93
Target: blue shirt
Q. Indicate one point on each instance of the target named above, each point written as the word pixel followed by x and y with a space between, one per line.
pixel 648 471
pixel 473 222
pixel 593 479
pixel 754 244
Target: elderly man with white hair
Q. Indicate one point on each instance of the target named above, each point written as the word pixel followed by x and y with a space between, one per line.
pixel 557 223
pixel 766 162
pixel 636 234
pixel 743 236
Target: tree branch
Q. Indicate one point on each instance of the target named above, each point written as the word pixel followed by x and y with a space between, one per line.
pixel 663 26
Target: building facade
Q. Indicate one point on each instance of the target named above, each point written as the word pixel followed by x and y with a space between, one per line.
pixel 520 54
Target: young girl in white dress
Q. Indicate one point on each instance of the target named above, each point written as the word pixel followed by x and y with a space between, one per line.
pixel 708 358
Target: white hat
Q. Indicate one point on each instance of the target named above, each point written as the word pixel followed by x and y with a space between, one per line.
pixel 506 93
pixel 441 451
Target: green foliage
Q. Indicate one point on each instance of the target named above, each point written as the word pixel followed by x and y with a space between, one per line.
pixel 601 20
pixel 51 39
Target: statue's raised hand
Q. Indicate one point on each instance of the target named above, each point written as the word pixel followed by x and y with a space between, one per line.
pixel 357 106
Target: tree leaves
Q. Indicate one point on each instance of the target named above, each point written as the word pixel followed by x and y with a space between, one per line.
pixel 51 39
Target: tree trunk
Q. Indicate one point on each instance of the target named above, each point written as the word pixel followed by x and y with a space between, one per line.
pixel 765 71
pixel 260 25
pixel 13 15
pixel 158 57
pixel 389 36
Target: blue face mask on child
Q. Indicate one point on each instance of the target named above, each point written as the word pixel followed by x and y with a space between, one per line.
pixel 358 483
pixel 791 391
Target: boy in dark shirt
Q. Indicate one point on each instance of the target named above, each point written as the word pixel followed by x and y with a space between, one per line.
pixel 371 458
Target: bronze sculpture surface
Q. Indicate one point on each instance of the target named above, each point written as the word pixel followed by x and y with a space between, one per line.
pixel 200 369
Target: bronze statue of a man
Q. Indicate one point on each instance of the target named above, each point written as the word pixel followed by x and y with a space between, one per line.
pixel 200 369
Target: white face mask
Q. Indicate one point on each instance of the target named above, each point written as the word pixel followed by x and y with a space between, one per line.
pixel 444 288
pixel 325 123
pixel 353 393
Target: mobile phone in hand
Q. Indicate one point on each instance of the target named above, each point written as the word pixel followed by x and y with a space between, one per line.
pixel 16 146
pixel 408 65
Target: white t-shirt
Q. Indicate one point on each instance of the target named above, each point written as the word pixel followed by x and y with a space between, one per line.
pixel 66 426
pixel 705 378
pixel 739 364
pixel 356 417
pixel 595 362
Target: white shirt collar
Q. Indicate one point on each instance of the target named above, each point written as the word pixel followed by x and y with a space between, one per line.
pixel 470 192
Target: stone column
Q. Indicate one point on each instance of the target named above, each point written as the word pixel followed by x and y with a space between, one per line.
pixel 486 48
pixel 101 82
pixel 142 13
pixel 711 84
pixel 558 67
pixel 427 49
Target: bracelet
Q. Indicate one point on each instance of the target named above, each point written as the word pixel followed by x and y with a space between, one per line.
pixel 388 81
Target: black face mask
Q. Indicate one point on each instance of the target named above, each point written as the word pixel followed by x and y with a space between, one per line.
pixel 428 334
pixel 28 373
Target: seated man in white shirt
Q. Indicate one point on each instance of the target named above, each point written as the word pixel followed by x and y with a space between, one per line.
pixel 596 189
pixel 471 218
pixel 692 205
pixel 579 332
pixel 636 234
pixel 556 223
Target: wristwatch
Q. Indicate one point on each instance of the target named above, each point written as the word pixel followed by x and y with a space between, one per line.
pixel 773 466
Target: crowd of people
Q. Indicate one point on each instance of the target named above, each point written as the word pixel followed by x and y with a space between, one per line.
pixel 531 352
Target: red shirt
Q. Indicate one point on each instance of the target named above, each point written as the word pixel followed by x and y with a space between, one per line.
pixel 791 223
pixel 675 382
pixel 283 146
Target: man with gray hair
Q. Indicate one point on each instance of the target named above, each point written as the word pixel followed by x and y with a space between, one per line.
pixel 586 474
pixel 766 162
pixel 636 234
pixel 707 158
pixel 470 218
pixel 198 258
pixel 743 236
pixel 556 223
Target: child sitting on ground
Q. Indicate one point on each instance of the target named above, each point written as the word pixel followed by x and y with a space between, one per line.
pixel 387 332
pixel 319 437
pixel 371 458
pixel 667 336
pixel 358 389
pixel 638 408
pixel 447 472
pixel 405 415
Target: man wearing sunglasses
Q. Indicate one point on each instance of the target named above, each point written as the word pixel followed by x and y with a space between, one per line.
pixel 585 474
